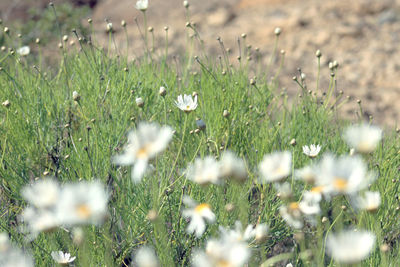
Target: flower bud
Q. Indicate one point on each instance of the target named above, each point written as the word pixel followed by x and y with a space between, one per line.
pixel 139 102
pixel 277 31
pixel 76 96
pixel 162 91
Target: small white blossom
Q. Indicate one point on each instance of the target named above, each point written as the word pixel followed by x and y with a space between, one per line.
pixel 292 215
pixel 204 171
pixel 76 96
pixel 369 202
pixel 232 167
pixel 276 166
pixel 82 203
pixel 186 103
pixel 350 246
pixel 198 214
pixel 145 143
pixel 43 193
pixel 62 258
pixel 24 51
pixel 228 250
pixel 311 151
pixel 309 204
pixel 11 256
pixel 142 5
pixel 146 257
pixel 363 138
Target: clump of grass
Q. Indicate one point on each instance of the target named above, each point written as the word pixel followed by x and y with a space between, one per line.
pixel 70 123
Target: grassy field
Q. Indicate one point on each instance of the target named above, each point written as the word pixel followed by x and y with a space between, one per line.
pixel 49 132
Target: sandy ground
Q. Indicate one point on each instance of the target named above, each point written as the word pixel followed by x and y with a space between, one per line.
pixel 362 35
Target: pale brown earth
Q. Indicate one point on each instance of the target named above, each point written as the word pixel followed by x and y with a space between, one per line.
pixel 362 35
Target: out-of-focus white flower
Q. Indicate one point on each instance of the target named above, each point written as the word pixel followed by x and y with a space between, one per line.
pixel 24 51
pixel 139 102
pixel 363 138
pixel 142 5
pixel 350 246
pixel 308 174
pixel 146 257
pixel 144 144
pixel 284 190
pixel 204 171
pixel 82 203
pixel 225 251
pixel 232 167
pixel 289 265
pixel 11 256
pixel 276 166
pixel 292 215
pixel 186 103
pixel 311 151
pixel 62 258
pixel 198 214
pixel 369 202
pixel 343 175
pixel 309 204
pixel 76 96
pixel 43 193
pixel 109 27
pixel 38 220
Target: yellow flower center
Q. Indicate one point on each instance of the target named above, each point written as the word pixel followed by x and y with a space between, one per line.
pixel 294 206
pixel 317 189
pixel 201 207
pixel 187 107
pixel 364 147
pixel 143 152
pixel 340 184
pixel 223 263
pixel 83 211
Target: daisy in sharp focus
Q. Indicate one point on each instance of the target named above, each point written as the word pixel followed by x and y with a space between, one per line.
pixel 204 171
pixel 311 151
pixel 198 214
pixel 350 246
pixel 145 143
pixel 83 203
pixel 186 103
pixel 62 258
pixel 276 166
pixel 363 138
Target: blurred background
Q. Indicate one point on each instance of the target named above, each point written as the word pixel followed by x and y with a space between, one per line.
pixel 363 36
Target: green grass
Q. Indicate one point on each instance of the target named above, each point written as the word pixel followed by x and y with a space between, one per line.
pixel 45 132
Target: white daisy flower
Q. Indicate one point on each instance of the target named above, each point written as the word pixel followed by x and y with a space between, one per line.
pixel 363 138
pixel 292 215
pixel 232 167
pixel 186 103
pixel 11 256
pixel 83 203
pixel 204 171
pixel 43 193
pixel 38 220
pixel 142 5
pixel 225 251
pixel 308 174
pixel 309 204
pixel 311 151
pixel 146 257
pixel 350 246
pixel 369 202
pixel 62 258
pixel 198 214
pixel 343 175
pixel 145 143
pixel 276 166
pixel 24 51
